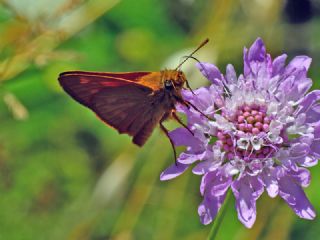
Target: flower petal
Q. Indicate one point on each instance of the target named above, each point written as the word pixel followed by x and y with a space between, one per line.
pixel 206 166
pixel 308 161
pixel 295 198
pixel 247 190
pixel 182 137
pixel 309 100
pixel 301 176
pixel 270 182
pixel 173 171
pixel 278 64
pixel 298 62
pixel 231 75
pixel 204 100
pixel 202 167
pixel 209 208
pixel 257 51
pixel 298 150
pixel 214 186
pixel 315 149
pixel 189 158
pixel 211 72
pixel 295 86
pixel 308 105
pixel 215 182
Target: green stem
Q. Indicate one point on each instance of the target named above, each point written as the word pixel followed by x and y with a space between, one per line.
pixel 218 220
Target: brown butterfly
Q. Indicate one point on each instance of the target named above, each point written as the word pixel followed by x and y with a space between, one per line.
pixel 131 102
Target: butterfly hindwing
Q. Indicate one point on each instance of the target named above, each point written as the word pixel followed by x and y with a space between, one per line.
pixel 130 109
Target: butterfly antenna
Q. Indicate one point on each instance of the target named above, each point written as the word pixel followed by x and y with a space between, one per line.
pixel 226 89
pixel 187 82
pixel 190 55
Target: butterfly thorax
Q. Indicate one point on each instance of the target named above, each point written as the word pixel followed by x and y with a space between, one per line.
pixel 171 83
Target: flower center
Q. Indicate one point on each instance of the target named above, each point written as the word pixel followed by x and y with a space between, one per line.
pixel 250 138
pixel 252 119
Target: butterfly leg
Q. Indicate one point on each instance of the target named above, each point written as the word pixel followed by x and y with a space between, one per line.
pixel 172 144
pixel 189 104
pixel 188 86
pixel 176 117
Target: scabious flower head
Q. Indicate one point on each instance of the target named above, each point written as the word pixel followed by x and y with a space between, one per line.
pixel 263 132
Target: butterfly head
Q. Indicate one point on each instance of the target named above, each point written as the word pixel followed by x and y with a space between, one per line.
pixel 173 80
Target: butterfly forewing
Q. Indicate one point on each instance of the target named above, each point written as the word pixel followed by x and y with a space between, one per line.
pixel 83 85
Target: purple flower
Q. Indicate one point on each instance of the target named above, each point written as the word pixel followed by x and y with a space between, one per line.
pixel 263 132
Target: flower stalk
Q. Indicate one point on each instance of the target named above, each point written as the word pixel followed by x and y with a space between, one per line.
pixel 218 221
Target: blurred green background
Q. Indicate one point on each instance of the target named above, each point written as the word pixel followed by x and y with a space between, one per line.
pixel 65 175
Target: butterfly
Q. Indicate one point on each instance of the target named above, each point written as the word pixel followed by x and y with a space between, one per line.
pixel 133 103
